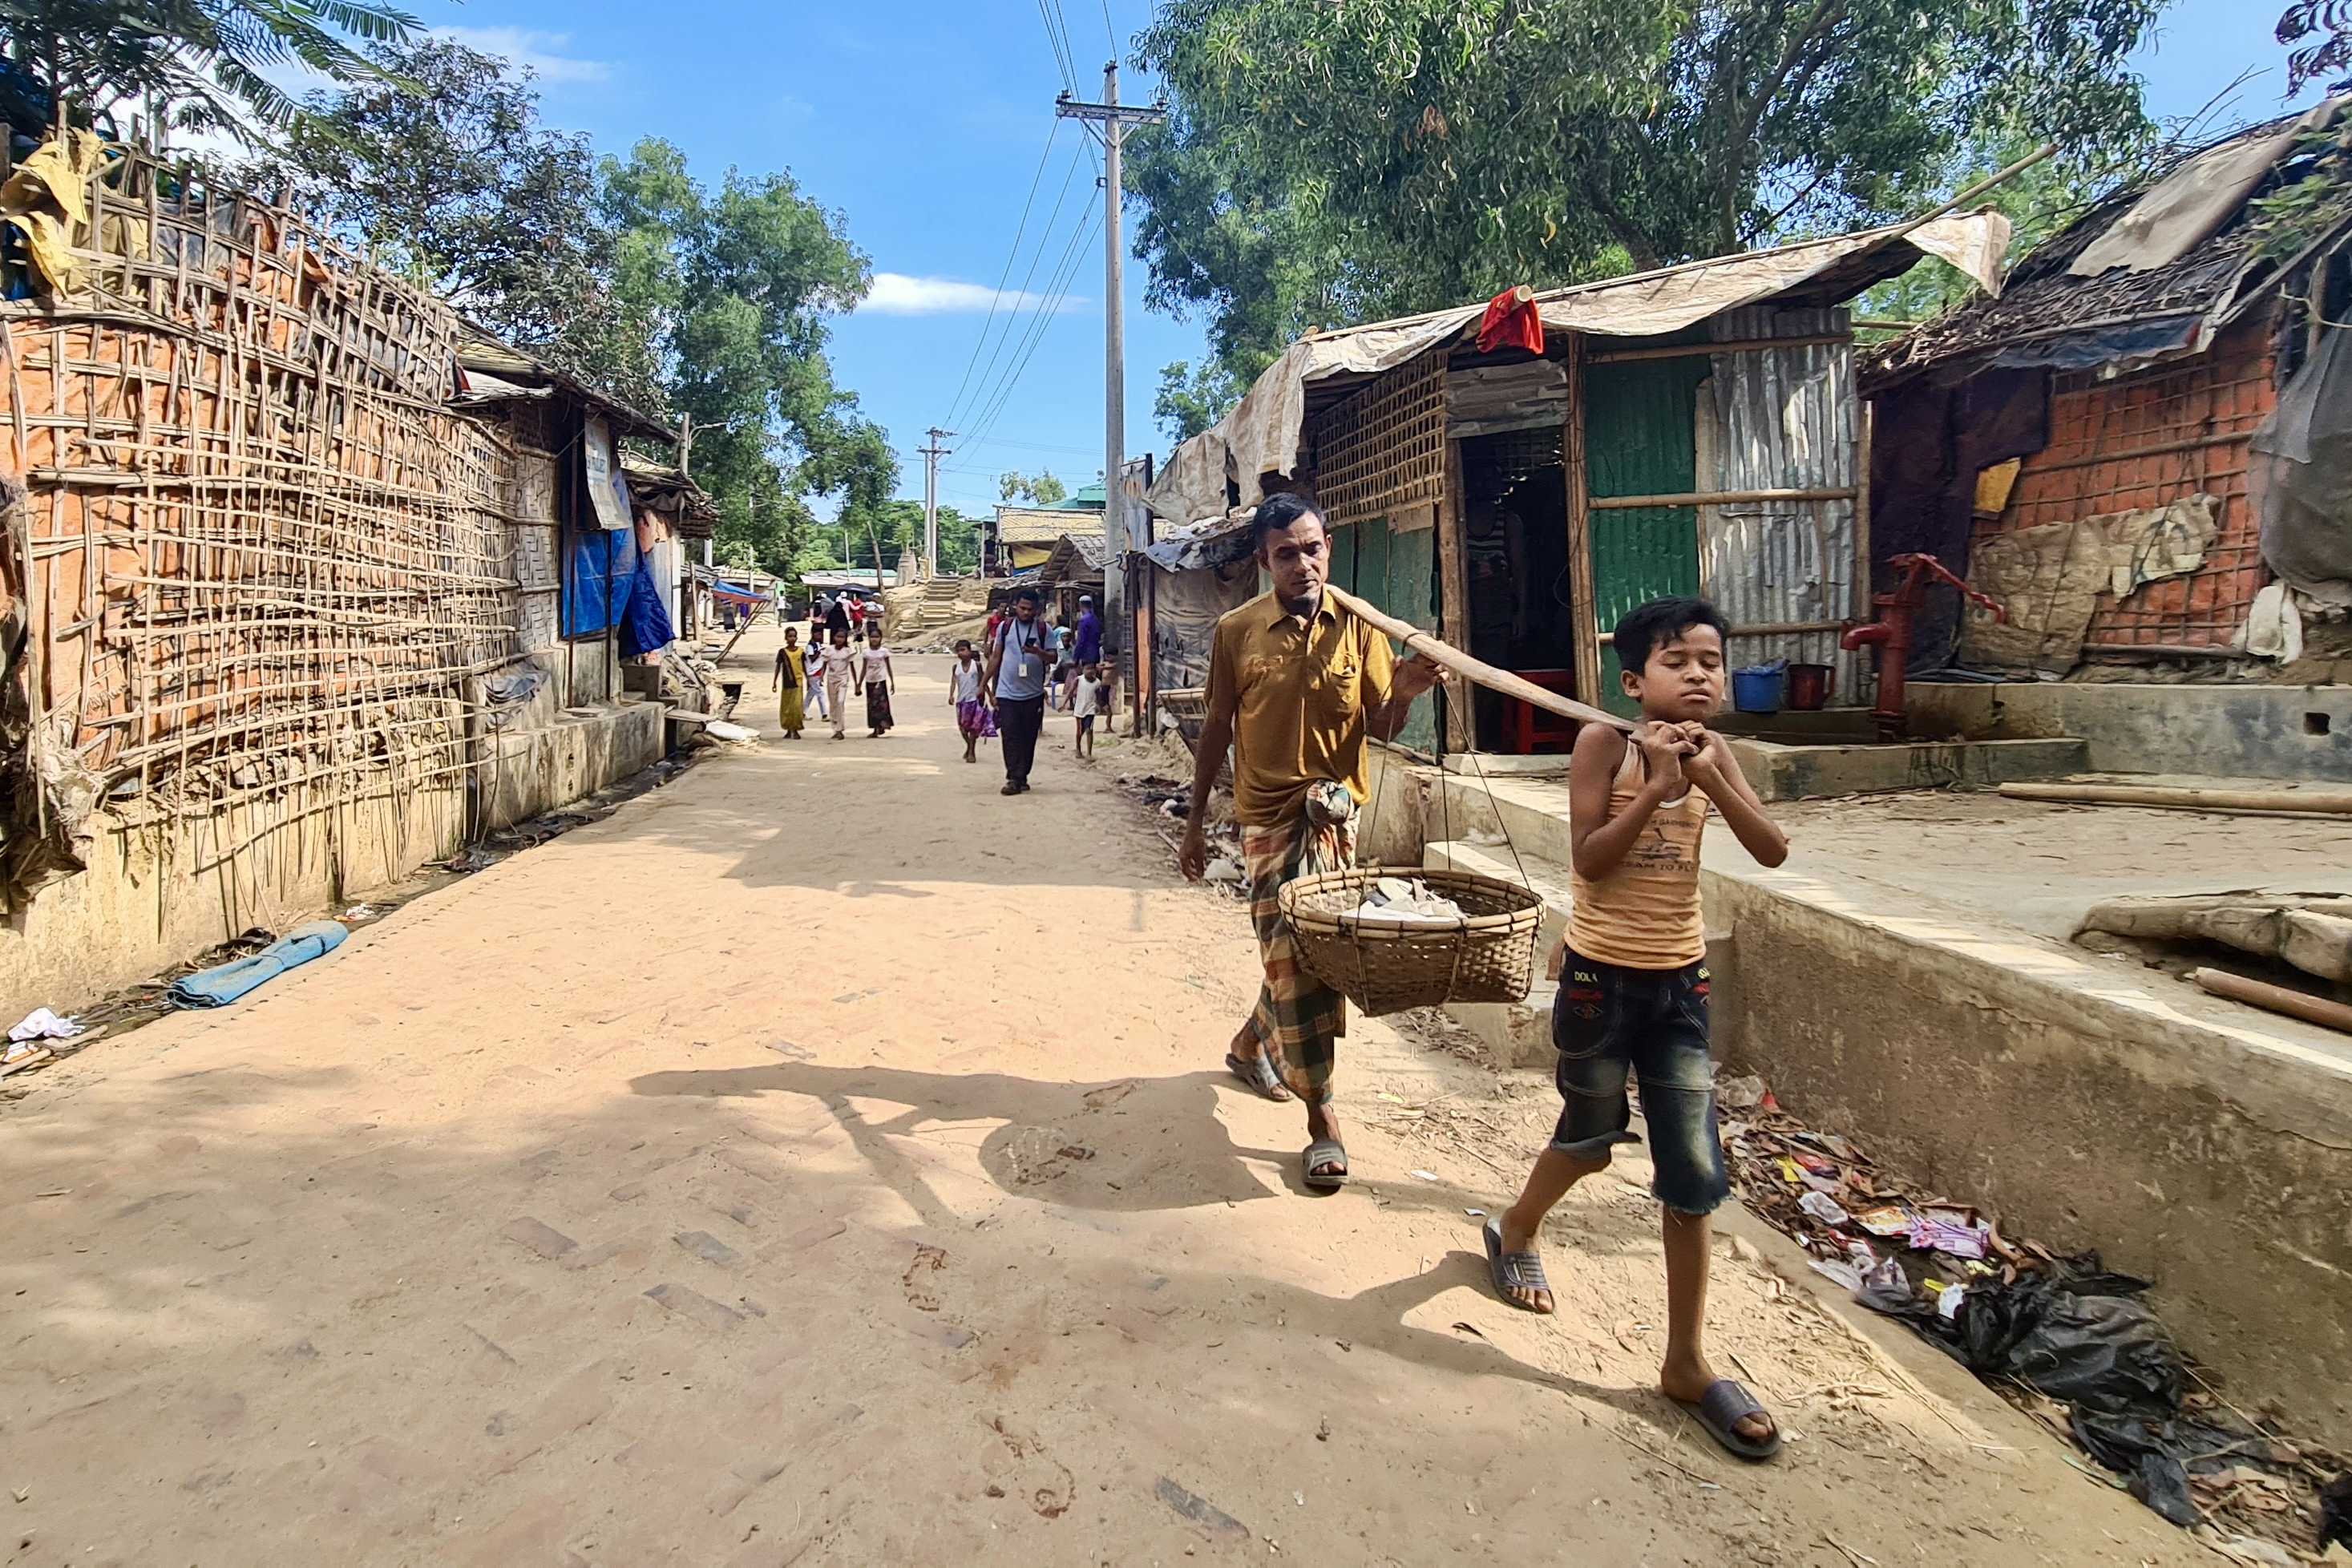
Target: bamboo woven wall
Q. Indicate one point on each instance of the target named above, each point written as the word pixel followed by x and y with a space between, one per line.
pixel 259 557
pixel 1383 451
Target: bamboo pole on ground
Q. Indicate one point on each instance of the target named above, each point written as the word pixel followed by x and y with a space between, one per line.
pixel 2300 802
pixel 1476 670
pixel 2276 998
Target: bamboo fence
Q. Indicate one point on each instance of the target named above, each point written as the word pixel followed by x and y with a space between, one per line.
pixel 260 559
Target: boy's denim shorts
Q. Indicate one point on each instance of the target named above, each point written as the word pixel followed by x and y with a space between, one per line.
pixel 1609 1021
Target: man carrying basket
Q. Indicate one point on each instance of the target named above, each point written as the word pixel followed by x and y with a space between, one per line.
pixel 1296 685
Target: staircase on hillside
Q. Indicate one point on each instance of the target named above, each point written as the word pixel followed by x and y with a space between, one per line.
pixel 949 599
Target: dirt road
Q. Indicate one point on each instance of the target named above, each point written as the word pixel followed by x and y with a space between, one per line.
pixel 827 1160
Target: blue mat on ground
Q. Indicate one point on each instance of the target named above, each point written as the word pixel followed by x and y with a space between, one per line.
pixel 220 985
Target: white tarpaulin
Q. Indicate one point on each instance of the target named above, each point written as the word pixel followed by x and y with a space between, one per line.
pixel 1260 434
pixel 2180 210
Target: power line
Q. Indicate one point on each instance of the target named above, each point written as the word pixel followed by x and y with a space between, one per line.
pixel 1059 41
pixel 1024 298
pixel 1012 256
pixel 1058 292
pixel 1066 272
pixel 1108 31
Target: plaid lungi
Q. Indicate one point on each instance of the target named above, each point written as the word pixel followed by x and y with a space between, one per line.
pixel 1298 1019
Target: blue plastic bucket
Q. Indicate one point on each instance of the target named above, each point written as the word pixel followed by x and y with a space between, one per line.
pixel 1756 688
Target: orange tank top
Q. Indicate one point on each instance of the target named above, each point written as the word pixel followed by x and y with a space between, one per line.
pixel 1644 914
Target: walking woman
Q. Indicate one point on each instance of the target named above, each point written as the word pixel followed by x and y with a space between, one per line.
pixel 792 679
pixel 874 677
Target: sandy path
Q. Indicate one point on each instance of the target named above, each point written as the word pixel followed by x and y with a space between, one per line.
pixel 827 1160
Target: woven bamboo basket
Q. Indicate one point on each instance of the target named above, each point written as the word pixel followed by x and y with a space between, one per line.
pixel 1384 967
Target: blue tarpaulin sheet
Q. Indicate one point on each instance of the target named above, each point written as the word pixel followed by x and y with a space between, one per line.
pixel 219 986
pixel 645 626
pixel 596 578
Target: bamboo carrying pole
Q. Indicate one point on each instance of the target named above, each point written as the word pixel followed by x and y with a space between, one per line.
pixel 1478 670
pixel 2303 803
pixel 2276 998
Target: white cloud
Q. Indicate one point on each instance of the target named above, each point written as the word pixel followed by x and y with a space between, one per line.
pixel 897 294
pixel 539 51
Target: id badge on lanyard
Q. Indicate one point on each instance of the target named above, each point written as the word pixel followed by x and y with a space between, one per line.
pixel 1025 659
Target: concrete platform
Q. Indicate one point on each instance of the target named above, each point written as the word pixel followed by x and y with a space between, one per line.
pixel 1784 772
pixel 1907 978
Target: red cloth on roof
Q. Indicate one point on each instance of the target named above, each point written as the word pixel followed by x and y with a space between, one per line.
pixel 1510 321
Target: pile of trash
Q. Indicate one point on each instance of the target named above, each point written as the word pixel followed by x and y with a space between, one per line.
pixel 2065 1338
pixel 1406 901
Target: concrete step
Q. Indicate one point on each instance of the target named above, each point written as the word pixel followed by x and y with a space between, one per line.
pixel 1780 772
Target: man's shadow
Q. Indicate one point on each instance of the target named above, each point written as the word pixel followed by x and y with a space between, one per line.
pixel 1132 1145
pixel 1127 1145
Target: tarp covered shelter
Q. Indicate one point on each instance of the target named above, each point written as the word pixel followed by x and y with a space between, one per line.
pixel 1692 428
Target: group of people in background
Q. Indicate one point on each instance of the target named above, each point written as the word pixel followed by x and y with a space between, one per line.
pixel 824 676
pixel 1030 665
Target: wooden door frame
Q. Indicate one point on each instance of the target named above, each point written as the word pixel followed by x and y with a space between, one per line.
pixel 1583 624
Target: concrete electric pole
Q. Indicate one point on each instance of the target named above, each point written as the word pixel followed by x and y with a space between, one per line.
pixel 931 455
pixel 1114 118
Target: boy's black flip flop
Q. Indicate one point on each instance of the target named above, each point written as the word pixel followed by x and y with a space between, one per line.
pixel 1512 1270
pixel 1260 1073
pixel 1721 1408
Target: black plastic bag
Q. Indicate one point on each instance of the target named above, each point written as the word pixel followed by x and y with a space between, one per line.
pixel 2074 1333
pixel 2335 1511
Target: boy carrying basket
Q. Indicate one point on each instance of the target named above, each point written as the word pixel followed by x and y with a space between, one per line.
pixel 1634 988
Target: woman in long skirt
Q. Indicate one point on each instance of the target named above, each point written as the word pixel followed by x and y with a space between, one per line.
pixel 874 677
pixel 791 680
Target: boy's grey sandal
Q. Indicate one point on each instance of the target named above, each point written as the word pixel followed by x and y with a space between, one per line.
pixel 1721 1407
pixel 1514 1270
pixel 1324 1151
pixel 1260 1073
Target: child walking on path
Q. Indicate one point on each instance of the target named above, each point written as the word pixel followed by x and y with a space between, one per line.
pixel 972 718
pixel 1086 702
pixel 838 661
pixel 875 679
pixel 1634 988
pixel 792 679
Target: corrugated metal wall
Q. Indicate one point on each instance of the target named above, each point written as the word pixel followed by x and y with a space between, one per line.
pixel 1640 440
pixel 1783 419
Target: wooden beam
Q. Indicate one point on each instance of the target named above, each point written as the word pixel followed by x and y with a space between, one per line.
pixel 1864 583
pixel 2300 802
pixel 1584 630
pixel 1453 591
pixel 1718 497
pixel 1698 351
pixel 1477 671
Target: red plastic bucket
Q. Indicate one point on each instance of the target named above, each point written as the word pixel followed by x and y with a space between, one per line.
pixel 1810 686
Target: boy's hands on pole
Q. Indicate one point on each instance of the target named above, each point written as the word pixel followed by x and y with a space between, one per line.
pixel 1665 748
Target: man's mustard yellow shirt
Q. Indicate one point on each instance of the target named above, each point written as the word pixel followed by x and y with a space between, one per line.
pixel 1303 698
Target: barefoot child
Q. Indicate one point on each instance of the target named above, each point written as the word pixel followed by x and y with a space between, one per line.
pixel 1633 988
pixel 964 696
pixel 1085 697
pixel 875 679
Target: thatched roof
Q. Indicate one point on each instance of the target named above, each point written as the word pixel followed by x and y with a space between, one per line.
pixel 2050 313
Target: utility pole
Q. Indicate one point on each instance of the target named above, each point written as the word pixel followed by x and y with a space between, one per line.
pixel 931 455
pixel 1114 118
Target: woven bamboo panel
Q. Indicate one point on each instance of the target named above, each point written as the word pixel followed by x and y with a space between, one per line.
pixel 1384 450
pixel 259 556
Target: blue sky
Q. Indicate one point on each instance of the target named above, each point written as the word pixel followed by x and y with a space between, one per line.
pixel 924 122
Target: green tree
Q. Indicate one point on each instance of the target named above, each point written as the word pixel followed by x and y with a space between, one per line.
pixel 1192 400
pixel 1043 490
pixel 441 168
pixel 737 287
pixel 2324 29
pixel 1336 162
pixel 195 65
